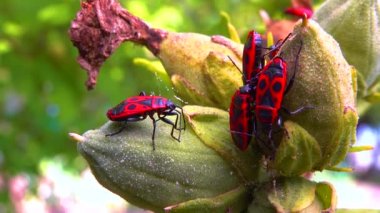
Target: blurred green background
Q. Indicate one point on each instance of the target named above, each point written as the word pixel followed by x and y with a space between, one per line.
pixel 43 96
pixel 42 91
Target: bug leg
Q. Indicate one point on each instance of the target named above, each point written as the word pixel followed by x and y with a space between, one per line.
pixel 118 131
pixel 154 130
pixel 295 70
pixel 271 141
pixel 280 124
pixel 266 148
pixel 174 125
pixel 181 119
pixel 131 119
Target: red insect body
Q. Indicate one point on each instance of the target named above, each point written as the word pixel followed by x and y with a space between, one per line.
pixel 241 112
pixel 241 119
pixel 259 101
pixel 137 108
pixel 252 56
pixel 300 12
pixel 270 91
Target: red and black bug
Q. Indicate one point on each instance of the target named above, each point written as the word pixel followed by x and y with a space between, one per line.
pixel 270 91
pixel 253 60
pixel 241 114
pixel 241 107
pixel 241 117
pixel 138 108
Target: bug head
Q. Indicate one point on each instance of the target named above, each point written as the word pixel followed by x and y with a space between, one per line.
pixel 170 105
pixel 115 110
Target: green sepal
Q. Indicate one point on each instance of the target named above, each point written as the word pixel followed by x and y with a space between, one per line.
pixel 211 125
pixel 221 87
pixel 373 98
pixel 193 61
pixel 326 195
pixel 226 202
pixel 189 92
pixel 234 35
pixel 293 194
pixel 360 148
pixel 298 152
pixel 339 169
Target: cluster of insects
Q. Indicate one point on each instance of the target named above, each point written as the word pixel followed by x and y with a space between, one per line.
pixel 255 107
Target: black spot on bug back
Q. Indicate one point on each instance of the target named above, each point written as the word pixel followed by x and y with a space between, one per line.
pixel 262 84
pixel 119 108
pixel 131 107
pixel 147 102
pixel 277 87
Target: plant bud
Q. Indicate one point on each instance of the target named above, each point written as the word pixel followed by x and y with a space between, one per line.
pixel 323 81
pixel 356 27
pixel 190 175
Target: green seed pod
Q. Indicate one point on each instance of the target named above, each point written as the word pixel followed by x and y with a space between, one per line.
pixel 205 171
pixel 323 80
pixel 200 69
pixel 356 27
pixel 295 194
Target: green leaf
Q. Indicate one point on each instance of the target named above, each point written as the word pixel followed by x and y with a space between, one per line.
pixel 326 195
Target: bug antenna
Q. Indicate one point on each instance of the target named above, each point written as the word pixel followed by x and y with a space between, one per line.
pixel 233 62
pixel 278 45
